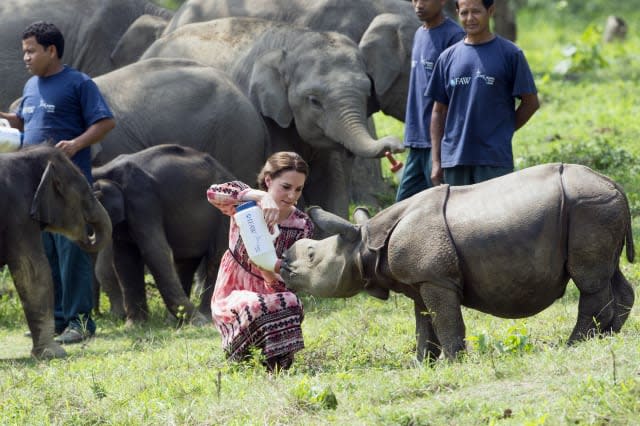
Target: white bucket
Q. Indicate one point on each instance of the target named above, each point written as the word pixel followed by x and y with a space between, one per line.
pixel 10 138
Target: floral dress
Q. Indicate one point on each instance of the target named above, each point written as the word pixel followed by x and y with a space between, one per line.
pixel 248 311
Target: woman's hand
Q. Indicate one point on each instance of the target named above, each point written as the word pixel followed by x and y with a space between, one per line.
pixel 270 210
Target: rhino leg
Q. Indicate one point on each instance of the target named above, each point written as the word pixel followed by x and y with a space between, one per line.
pixel 604 311
pixel 427 344
pixel 444 309
pixel 623 294
pixel 595 312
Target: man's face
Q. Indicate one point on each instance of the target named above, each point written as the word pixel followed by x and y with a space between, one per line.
pixel 426 10
pixel 37 59
pixel 474 17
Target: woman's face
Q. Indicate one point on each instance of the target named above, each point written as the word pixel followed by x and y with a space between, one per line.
pixel 286 188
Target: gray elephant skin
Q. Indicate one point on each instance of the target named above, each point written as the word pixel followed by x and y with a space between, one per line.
pixel 384 30
pixel 180 101
pixel 162 219
pixel 41 189
pixel 311 88
pixel 506 247
pixel 92 30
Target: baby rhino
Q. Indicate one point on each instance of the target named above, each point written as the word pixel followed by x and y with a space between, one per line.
pixel 506 247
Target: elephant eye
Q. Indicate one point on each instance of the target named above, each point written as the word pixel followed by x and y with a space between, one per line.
pixel 314 101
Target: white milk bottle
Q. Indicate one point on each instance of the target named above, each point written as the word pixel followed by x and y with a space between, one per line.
pixel 10 138
pixel 256 236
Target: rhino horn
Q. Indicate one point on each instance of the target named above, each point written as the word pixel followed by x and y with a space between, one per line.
pixel 333 224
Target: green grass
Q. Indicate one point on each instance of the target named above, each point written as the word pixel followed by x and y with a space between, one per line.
pixel 359 351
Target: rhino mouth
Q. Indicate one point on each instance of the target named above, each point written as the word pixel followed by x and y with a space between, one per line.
pixel 287 274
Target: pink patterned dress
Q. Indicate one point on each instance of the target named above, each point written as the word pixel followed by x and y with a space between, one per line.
pixel 248 311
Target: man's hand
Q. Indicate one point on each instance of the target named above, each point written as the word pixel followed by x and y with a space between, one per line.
pixel 68 147
pixel 436 174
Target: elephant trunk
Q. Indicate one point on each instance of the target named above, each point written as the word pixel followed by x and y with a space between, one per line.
pixel 98 230
pixel 351 129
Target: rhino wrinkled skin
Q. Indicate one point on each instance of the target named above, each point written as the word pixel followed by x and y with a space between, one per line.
pixel 506 247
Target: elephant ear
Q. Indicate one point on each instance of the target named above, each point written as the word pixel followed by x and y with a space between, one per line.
pixel 111 197
pixel 141 34
pixel 333 224
pixel 48 200
pixel 268 90
pixel 386 47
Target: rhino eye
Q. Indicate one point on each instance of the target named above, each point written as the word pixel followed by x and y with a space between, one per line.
pixel 310 254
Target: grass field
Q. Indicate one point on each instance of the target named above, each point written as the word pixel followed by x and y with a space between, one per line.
pixel 358 365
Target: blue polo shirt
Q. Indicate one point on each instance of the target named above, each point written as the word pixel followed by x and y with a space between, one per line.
pixel 479 84
pixel 61 107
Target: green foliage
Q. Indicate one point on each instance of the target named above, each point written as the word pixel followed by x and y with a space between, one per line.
pixel 584 55
pixel 11 313
pixel 516 341
pixel 598 153
pixel 169 4
pixel 313 397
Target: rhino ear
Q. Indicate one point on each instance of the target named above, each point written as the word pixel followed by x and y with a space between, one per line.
pixel 361 215
pixel 333 224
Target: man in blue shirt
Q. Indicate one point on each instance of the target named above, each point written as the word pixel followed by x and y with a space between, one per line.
pixel 436 34
pixel 474 87
pixel 63 106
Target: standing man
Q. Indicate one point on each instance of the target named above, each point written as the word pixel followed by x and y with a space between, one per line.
pixel 436 34
pixel 63 106
pixel 474 88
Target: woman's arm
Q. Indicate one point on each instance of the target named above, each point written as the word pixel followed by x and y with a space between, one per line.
pixel 226 196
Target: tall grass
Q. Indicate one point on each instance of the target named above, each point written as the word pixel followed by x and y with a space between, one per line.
pixel 358 365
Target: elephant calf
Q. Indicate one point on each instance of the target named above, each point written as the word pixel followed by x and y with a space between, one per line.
pixel 41 189
pixel 161 219
pixel 506 247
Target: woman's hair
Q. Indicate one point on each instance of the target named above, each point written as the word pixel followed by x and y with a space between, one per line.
pixel 279 163
pixel 46 34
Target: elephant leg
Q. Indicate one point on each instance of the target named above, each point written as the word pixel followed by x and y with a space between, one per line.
pixel 205 278
pixel 329 181
pixel 427 344
pixel 443 306
pixel 158 257
pixel 624 296
pixel 367 183
pixel 34 284
pixel 107 280
pixel 208 269
pixel 186 270
pixel 129 269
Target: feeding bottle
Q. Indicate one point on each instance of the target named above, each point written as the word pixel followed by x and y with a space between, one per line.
pixel 10 138
pixel 256 236
pixel 397 167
